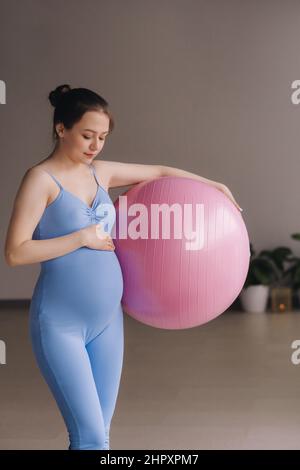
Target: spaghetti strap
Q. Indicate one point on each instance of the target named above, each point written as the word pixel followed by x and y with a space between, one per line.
pixel 54 179
pixel 95 176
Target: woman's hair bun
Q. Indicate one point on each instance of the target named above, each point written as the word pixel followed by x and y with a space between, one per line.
pixel 55 95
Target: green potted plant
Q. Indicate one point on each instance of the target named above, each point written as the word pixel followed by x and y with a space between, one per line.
pixel 266 270
pixel 281 291
pixel 294 270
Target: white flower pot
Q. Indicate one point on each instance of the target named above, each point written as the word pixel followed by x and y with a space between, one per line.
pixel 255 298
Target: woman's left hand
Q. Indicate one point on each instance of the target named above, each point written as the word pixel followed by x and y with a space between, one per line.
pixel 228 193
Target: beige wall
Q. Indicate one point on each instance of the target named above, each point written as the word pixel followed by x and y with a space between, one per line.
pixel 199 85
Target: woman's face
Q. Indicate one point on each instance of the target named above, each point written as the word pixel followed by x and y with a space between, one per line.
pixel 86 138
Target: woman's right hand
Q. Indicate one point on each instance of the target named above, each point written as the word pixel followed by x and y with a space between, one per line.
pixel 96 238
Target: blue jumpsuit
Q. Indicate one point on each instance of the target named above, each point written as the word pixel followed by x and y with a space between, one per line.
pixel 76 321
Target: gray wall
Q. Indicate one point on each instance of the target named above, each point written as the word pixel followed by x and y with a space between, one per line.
pixel 199 85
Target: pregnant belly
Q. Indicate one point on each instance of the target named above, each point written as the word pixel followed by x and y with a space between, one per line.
pixel 85 283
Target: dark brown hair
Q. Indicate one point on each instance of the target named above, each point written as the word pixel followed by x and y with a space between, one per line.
pixel 71 103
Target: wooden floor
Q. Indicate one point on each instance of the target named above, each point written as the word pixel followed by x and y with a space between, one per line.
pixel 229 384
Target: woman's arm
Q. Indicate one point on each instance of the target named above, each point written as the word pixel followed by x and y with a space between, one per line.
pixel 123 174
pixel 29 205
pixel 170 171
pixel 35 251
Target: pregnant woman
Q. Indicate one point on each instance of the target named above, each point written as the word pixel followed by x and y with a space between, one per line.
pixel 76 318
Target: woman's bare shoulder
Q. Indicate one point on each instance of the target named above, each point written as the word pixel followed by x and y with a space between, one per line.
pixel 34 181
pixel 36 172
pixel 42 165
pixel 100 164
pixel 103 172
pixel 34 185
pixel 38 176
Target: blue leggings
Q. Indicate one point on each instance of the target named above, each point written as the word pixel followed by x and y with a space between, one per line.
pixel 84 378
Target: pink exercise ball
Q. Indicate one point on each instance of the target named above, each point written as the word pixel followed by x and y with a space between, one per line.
pixel 167 285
